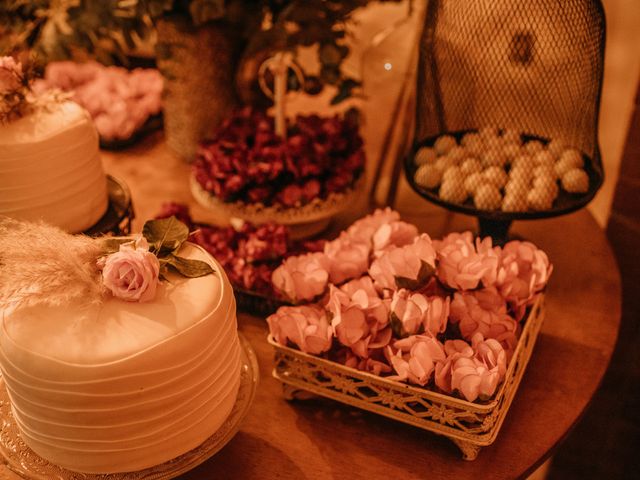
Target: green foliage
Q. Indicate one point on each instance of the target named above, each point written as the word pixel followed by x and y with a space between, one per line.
pixel 107 29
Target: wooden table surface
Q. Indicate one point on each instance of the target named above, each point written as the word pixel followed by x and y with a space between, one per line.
pixel 319 439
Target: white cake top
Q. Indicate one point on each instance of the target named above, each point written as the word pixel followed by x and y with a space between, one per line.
pixel 43 123
pixel 118 329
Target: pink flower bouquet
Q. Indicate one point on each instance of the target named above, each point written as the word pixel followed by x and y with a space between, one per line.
pixel 382 298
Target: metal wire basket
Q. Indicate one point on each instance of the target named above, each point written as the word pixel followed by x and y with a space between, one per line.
pixel 531 66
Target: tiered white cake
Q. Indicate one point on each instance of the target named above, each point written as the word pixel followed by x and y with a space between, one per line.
pixel 50 168
pixel 124 386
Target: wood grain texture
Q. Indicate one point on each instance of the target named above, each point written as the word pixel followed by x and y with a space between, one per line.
pixel 320 439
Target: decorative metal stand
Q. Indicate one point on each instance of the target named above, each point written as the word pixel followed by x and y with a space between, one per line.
pixel 469 425
pixel 119 215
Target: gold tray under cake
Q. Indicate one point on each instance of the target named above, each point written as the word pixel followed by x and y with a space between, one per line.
pixel 19 458
pixel 469 425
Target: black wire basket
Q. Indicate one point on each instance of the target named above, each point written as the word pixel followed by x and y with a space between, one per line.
pixel 529 66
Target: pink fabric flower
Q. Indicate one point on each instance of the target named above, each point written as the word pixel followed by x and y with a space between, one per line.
pixel 491 353
pixel 363 283
pixel 462 265
pixel 473 379
pixel 483 311
pixel 524 271
pixel 346 258
pixel 302 277
pixel 370 364
pixel 363 230
pixel 392 234
pixel 10 73
pixel 405 267
pixel 359 320
pixel 416 313
pixel 306 326
pixel 415 358
pixel 131 274
pixel 454 349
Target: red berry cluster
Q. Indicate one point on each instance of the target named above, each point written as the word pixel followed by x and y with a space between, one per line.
pixel 248 255
pixel 245 160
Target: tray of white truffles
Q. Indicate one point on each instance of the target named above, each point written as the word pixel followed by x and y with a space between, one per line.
pixel 502 174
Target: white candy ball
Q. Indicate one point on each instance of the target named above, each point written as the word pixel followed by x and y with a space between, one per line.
pixel 473 181
pixel 487 197
pixel 556 147
pixel 444 143
pixel 524 162
pixel 425 155
pixel 547 184
pixel 453 173
pixel 457 153
pixel 533 146
pixel 471 165
pixel 496 175
pixel 545 171
pixel 444 163
pixel 511 151
pixel 569 160
pixel 511 136
pixel 488 133
pixel 575 180
pixel 517 186
pixel 514 203
pixel 428 176
pixel 453 191
pixel 544 158
pixel 494 157
pixel 539 199
pixel 470 139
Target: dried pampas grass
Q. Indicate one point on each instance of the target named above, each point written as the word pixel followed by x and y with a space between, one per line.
pixel 42 265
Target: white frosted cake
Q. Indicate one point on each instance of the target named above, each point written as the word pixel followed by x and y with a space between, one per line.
pixel 123 386
pixel 50 168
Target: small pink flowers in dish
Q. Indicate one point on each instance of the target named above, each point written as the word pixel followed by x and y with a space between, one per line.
pixel 444 315
pixel 131 274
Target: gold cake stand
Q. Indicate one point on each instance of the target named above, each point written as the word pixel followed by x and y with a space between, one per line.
pixel 20 459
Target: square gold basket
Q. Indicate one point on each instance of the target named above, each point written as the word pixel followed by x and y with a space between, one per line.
pixel 469 425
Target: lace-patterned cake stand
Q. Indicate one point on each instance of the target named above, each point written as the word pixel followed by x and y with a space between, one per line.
pixel 20 459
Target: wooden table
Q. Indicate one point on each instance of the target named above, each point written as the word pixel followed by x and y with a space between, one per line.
pixel 321 439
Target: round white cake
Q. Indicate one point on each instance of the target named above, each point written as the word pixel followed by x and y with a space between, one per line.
pixel 50 168
pixel 124 386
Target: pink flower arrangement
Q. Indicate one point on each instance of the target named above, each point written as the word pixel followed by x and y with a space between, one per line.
pixel 435 314
pixel 463 264
pixel 303 277
pixel 523 271
pixel 246 159
pixel 483 311
pixel 415 313
pixel 131 274
pixel 306 326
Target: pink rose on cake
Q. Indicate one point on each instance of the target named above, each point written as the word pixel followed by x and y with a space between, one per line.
pixel 392 234
pixel 483 311
pixel 413 313
pixel 306 326
pixel 131 274
pixel 524 270
pixel 463 264
pixel 408 267
pixel 303 277
pixel 346 258
pixel 414 358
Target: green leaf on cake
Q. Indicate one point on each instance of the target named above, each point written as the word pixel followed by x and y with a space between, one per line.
pixel 112 244
pixel 188 267
pixel 165 235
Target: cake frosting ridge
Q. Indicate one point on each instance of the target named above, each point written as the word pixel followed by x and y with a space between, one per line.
pixel 50 168
pixel 123 386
